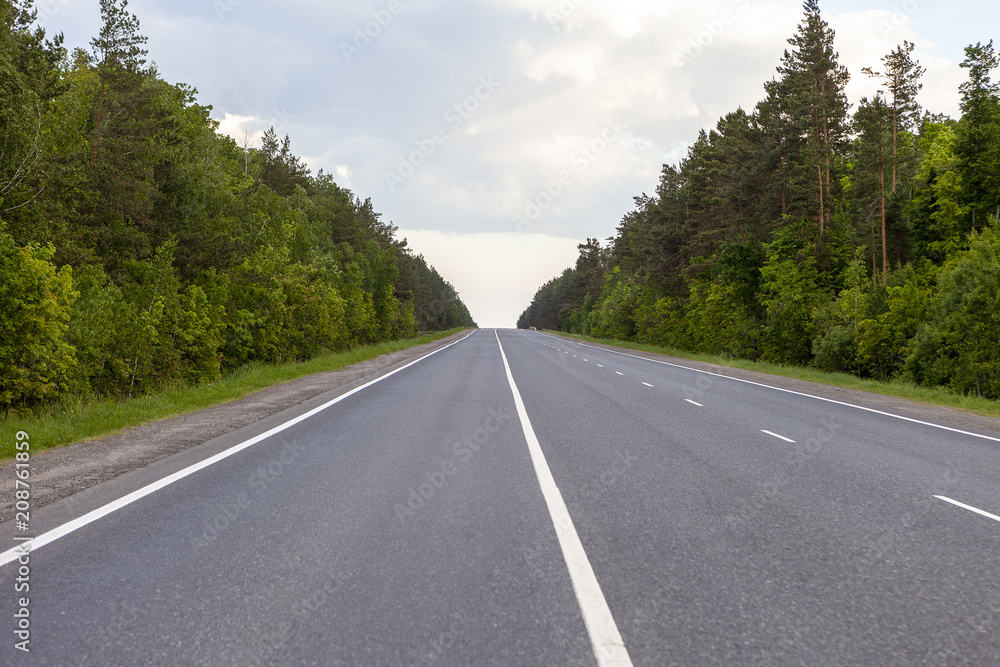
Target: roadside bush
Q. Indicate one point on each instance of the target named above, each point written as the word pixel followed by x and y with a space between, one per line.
pixel 36 362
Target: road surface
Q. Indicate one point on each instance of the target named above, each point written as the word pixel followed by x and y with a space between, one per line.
pixel 521 499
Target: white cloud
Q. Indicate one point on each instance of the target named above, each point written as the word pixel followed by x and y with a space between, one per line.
pixel 244 130
pixel 496 274
pixel 663 70
pixel 864 38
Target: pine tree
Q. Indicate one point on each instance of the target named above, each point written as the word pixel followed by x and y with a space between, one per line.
pixel 873 122
pixel 812 110
pixel 902 82
pixel 118 50
pixel 979 133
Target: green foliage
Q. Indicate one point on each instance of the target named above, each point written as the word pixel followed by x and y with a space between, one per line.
pixel 959 345
pixel 192 256
pixel 791 289
pixel 717 324
pixel 884 337
pixel 978 136
pixel 35 301
pixel 111 335
pixel 790 235
pixel 614 317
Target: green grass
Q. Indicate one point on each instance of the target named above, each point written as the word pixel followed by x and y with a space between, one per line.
pixel 933 396
pixel 74 419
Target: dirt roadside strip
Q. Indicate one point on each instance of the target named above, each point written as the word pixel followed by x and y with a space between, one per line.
pixel 62 471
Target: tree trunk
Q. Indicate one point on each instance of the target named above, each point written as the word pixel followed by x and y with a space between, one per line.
pixel 822 215
pixel 895 160
pixel 874 261
pixel 885 252
pixel 97 128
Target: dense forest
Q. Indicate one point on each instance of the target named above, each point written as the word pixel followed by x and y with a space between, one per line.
pixel 139 247
pixel 804 232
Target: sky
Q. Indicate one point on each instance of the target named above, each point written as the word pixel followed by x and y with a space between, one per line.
pixel 499 134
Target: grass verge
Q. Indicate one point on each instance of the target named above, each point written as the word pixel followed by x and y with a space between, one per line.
pixel 933 396
pixel 73 419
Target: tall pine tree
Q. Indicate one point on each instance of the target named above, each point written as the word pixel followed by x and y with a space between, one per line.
pixel 873 122
pixel 812 110
pixel 978 145
pixel 902 83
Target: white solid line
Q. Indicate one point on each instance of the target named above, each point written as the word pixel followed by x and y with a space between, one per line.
pixel 619 373
pixel 51 536
pixel 796 393
pixel 694 402
pixel 647 384
pixel 609 649
pixel 777 436
pixel 969 507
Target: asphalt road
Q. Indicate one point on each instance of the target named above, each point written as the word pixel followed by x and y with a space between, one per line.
pixel 634 512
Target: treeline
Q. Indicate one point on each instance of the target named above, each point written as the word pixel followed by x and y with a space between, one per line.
pixel 802 233
pixel 139 247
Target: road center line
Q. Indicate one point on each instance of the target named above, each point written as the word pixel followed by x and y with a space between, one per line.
pixel 51 536
pixel 605 639
pixel 694 402
pixel 780 437
pixel 647 384
pixel 969 507
pixel 619 373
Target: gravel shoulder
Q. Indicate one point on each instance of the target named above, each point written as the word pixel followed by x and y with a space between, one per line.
pixel 63 471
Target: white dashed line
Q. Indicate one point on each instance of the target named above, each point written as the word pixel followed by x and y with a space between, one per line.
pixel 798 393
pixel 647 384
pixel 694 402
pixel 619 373
pixel 780 437
pixel 969 507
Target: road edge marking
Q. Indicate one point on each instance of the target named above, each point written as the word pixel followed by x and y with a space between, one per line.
pixel 790 391
pixel 54 534
pixel 969 507
pixel 605 639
